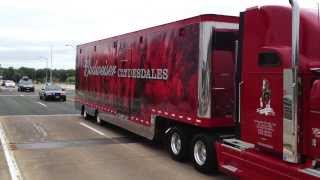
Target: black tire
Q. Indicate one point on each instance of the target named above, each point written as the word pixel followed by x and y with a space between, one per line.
pixel 208 164
pixel 177 152
pixel 45 98
pixel 65 99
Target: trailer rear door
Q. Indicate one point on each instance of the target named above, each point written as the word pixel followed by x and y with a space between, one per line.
pixel 223 72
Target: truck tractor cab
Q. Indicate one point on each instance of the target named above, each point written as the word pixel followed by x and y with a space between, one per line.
pixel 279 99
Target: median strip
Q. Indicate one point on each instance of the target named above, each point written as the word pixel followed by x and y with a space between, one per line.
pixel 56 144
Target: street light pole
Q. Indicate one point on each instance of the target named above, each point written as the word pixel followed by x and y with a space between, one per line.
pixel 51 64
pixel 46 67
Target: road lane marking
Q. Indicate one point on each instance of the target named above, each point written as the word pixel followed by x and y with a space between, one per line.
pixel 40 129
pixel 93 129
pixel 11 161
pixel 40 115
pixel 42 104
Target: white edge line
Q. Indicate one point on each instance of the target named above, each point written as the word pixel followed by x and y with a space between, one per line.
pixel 42 104
pixel 11 162
pixel 93 129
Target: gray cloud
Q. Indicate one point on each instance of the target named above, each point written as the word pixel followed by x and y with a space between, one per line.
pixel 25 53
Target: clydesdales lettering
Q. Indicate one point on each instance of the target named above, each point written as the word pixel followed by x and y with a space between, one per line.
pixel 111 70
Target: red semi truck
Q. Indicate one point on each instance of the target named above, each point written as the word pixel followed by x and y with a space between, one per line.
pixel 238 94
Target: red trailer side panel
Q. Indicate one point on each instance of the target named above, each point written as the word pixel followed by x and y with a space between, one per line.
pixel 149 72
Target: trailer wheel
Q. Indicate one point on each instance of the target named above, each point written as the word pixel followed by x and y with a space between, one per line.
pixel 203 153
pixel 177 144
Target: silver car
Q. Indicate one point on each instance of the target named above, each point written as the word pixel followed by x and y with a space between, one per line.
pixel 52 92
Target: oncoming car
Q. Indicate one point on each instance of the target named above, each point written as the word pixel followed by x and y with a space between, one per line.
pixel 52 92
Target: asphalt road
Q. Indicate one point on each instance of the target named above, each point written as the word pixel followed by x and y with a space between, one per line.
pixel 28 103
pixel 49 140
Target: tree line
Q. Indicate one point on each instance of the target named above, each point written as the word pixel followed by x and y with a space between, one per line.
pixel 38 75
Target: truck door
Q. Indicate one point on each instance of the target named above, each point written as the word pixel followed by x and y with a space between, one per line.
pixel 223 72
pixel 262 97
pixel 314 131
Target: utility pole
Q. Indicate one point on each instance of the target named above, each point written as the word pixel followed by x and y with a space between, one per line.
pixel 46 69
pixel 51 64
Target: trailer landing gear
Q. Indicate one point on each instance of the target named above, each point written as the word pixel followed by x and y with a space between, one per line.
pixel 98 118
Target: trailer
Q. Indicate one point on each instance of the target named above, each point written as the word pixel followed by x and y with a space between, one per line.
pixel 175 80
pixel 278 93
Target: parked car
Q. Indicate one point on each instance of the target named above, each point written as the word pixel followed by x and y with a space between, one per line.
pixel 10 83
pixel 26 86
pixel 52 92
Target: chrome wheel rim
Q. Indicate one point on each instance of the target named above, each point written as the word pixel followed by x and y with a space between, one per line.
pixel 175 143
pixel 200 152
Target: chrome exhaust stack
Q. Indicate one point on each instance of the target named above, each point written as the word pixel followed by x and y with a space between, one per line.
pixel 291 93
pixel 295 34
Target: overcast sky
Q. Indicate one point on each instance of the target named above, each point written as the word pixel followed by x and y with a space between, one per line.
pixel 29 27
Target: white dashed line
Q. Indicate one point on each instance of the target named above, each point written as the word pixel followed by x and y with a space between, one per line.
pixel 42 104
pixel 11 161
pixel 93 129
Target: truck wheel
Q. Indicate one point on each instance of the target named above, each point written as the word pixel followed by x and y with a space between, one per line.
pixel 203 153
pixel 177 144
